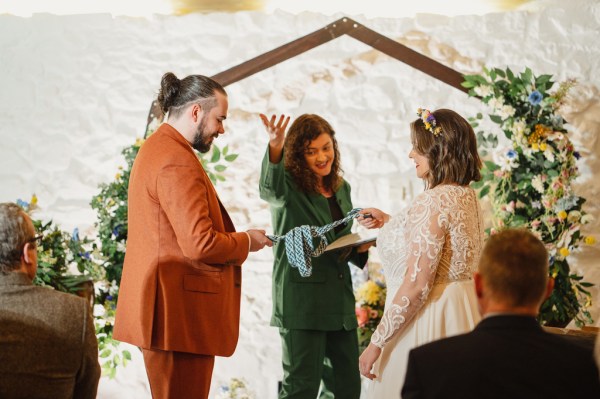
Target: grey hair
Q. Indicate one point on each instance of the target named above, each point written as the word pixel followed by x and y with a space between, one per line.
pixel 15 231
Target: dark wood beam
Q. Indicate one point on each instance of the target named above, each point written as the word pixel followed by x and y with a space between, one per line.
pixel 408 56
pixel 283 53
pixel 343 26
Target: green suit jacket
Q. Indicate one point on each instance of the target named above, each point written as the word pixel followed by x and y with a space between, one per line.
pixel 325 300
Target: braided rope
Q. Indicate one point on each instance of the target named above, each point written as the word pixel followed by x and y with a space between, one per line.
pixel 299 242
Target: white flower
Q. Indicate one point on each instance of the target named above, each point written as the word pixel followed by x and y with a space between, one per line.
pixel 518 127
pixel 549 154
pixel 99 310
pixel 483 90
pixel 574 216
pixel 538 184
pixel 587 218
pixel 506 111
pixel 496 102
pixel 506 158
pixel 121 246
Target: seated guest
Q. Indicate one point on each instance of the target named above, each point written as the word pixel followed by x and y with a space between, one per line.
pixel 48 346
pixel 507 355
pixel 597 353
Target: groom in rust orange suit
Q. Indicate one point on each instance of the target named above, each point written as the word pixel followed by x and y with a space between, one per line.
pixel 180 292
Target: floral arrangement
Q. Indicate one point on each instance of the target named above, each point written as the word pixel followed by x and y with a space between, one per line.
pixel 530 181
pixel 235 389
pixel 429 121
pixel 370 301
pixel 58 253
pixel 61 253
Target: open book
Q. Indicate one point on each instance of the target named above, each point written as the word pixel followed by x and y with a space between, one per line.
pixel 354 239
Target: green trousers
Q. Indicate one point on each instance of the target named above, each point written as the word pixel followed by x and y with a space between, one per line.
pixel 310 356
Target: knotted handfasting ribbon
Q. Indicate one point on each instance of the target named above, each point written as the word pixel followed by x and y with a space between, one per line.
pixel 299 244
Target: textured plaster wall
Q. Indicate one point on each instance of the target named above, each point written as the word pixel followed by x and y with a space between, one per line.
pixel 75 90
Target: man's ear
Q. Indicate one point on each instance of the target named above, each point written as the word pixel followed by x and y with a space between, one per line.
pixel 549 287
pixel 28 253
pixel 478 284
pixel 196 112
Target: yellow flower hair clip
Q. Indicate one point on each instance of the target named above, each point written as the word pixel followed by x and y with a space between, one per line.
pixel 429 121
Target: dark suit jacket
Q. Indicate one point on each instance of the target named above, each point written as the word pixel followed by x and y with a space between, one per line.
pixel 48 347
pixel 503 357
pixel 181 283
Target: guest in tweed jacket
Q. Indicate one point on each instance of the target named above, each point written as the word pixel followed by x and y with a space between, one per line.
pixel 48 346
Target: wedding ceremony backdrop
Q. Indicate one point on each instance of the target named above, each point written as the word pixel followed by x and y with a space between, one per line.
pixel 76 92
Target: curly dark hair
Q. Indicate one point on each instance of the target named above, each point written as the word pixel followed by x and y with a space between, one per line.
pixel 452 154
pixel 306 128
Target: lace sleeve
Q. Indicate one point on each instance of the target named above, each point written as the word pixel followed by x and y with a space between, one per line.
pixel 425 230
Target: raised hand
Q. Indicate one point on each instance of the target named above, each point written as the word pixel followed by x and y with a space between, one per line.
pixel 275 129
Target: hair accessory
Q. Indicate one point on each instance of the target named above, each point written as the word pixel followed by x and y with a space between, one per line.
pixel 429 121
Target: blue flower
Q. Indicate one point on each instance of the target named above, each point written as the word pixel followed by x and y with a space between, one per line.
pixel 511 154
pixel 116 230
pixel 535 97
pixel 109 297
pixel 22 203
pixel 75 234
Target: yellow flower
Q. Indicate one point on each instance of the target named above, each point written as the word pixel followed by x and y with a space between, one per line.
pixel 139 142
pixel 590 240
pixel 535 147
pixel 369 292
pixel 34 201
pixel 564 252
pixel 543 146
pixel 117 176
pixel 562 215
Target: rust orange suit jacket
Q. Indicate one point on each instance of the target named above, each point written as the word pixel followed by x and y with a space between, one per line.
pixel 180 289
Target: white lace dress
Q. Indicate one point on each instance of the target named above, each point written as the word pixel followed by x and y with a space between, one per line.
pixel 429 253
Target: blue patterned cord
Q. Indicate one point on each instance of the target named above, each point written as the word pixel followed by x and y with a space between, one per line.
pixel 299 242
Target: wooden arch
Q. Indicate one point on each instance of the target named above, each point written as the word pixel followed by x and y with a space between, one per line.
pixel 343 26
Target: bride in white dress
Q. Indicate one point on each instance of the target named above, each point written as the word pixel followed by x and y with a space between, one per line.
pixel 429 251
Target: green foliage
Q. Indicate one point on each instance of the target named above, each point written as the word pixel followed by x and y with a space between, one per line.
pixel 529 182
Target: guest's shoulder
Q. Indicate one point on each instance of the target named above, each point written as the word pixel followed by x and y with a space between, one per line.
pixel 448 344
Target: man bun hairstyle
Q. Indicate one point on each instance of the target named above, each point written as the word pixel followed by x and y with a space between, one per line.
pixel 175 94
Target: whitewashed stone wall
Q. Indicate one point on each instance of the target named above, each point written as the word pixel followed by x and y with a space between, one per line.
pixel 75 90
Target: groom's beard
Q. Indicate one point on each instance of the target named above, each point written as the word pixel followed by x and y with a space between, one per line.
pixel 203 139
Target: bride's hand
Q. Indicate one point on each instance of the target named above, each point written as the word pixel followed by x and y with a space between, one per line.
pixel 367 359
pixel 275 129
pixel 372 218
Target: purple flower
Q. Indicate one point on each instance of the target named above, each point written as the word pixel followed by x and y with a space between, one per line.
pixel 535 97
pixel 576 154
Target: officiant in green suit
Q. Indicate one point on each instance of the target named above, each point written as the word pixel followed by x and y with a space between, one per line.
pixel 301 179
